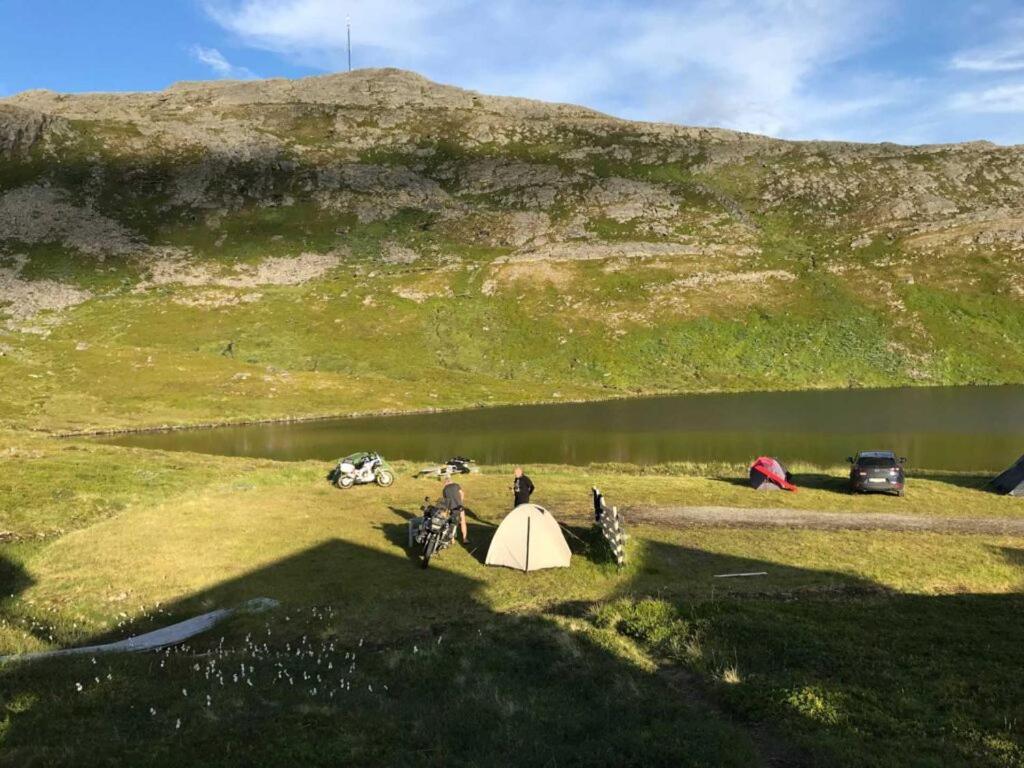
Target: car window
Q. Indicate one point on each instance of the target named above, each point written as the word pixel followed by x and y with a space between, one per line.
pixel 876 461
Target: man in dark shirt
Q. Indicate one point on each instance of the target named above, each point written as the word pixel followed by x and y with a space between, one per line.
pixel 454 499
pixel 522 487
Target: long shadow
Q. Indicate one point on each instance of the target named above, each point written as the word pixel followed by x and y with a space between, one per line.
pixel 975 482
pixel 1012 555
pixel 856 672
pixel 815 480
pixel 14 579
pixel 822 482
pixel 441 679
pixel 588 542
pixel 849 673
pixel 741 482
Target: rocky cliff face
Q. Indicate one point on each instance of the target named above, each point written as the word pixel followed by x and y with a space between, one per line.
pixel 625 228
pixel 22 129
pixel 374 142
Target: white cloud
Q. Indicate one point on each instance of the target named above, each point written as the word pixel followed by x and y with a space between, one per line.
pixel 988 86
pixel 1005 54
pixel 313 31
pixel 749 65
pixel 221 67
pixel 1007 60
pixel 998 99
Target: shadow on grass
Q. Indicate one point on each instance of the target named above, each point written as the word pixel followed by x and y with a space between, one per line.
pixel 518 689
pixel 1014 556
pixel 13 578
pixel 740 482
pixel 817 481
pixel 847 672
pixel 976 482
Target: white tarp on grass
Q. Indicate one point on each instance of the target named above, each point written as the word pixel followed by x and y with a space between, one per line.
pixel 159 638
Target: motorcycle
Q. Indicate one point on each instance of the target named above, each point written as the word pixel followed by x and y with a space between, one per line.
pixel 360 469
pixel 456 465
pixel 436 532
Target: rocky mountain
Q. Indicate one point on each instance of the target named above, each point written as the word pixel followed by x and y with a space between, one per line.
pixel 423 245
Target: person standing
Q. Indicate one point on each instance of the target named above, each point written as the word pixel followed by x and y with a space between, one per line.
pixel 454 501
pixel 522 487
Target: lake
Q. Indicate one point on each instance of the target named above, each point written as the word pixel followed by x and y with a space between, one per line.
pixel 954 428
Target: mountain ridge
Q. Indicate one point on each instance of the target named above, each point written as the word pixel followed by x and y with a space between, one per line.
pixel 603 257
pixel 47 101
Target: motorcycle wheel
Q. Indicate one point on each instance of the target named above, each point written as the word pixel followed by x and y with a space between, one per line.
pixel 346 481
pixel 428 550
pixel 385 478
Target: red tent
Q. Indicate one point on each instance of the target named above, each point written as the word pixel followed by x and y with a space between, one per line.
pixel 767 474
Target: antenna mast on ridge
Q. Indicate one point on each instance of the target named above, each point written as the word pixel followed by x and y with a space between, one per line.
pixel 348 34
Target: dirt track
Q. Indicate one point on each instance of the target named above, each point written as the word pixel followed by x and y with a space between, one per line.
pixel 826 521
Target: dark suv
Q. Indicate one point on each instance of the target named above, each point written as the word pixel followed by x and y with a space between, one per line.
pixel 877 472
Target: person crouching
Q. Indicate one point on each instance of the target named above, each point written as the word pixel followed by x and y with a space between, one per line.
pixel 453 499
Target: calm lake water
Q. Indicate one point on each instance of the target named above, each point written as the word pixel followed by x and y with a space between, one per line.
pixel 961 428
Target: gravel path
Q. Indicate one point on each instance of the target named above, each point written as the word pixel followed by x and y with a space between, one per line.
pixel 826 521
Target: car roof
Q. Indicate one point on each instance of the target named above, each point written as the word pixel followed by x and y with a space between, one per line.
pixel 877 454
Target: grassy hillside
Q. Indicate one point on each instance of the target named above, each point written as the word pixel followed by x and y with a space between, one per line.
pixel 375 241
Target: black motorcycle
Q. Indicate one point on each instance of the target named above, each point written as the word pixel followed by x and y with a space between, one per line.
pixel 456 465
pixel 436 532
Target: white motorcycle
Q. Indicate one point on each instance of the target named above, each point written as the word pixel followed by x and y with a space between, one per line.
pixel 360 469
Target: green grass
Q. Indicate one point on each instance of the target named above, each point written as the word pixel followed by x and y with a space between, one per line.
pixel 715 672
pixel 834 675
pixel 357 346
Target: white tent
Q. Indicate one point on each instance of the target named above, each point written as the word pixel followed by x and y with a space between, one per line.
pixel 529 539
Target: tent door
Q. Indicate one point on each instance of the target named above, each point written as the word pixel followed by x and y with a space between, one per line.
pixel 527 566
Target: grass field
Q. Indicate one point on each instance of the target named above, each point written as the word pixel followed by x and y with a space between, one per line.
pixel 860 647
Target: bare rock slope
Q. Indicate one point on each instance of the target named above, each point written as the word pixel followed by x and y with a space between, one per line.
pixel 685 247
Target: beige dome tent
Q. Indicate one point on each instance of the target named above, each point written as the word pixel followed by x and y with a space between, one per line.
pixel 529 539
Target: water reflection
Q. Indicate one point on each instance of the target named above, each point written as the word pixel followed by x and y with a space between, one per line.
pixel 963 428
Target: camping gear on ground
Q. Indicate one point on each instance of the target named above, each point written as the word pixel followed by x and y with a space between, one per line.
pixel 434 531
pixel 611 524
pixel 877 472
pixel 456 465
pixel 361 468
pixel 529 539
pixel 175 634
pixel 1011 482
pixel 768 474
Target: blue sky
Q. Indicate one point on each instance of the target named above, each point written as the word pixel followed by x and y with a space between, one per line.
pixel 872 70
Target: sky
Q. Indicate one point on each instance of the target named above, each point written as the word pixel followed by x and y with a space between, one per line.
pixel 909 71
